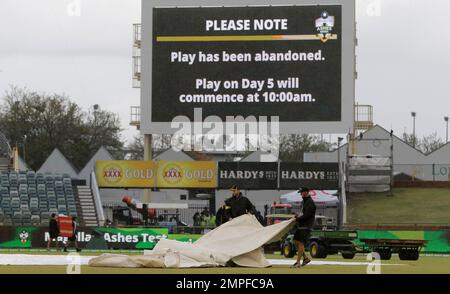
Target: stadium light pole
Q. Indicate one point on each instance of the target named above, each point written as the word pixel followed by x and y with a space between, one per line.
pixel 446 129
pixel 414 114
pixel 95 107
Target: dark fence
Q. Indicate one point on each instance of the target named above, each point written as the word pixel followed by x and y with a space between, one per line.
pixel 163 216
pixel 421 184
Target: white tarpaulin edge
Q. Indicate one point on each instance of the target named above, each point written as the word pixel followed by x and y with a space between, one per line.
pixel 239 240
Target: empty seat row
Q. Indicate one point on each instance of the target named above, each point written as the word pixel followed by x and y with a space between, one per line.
pixel 29 197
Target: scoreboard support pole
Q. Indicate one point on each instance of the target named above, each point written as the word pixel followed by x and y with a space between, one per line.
pixel 147 156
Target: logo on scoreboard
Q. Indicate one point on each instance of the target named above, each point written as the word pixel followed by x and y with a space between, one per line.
pixel 325 25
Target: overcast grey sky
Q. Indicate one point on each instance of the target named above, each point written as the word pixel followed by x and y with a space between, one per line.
pixel 402 57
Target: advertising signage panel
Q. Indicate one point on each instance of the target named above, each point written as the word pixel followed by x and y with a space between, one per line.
pixel 248 175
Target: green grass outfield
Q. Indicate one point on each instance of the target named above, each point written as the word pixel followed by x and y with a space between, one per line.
pixel 426 265
pixel 405 206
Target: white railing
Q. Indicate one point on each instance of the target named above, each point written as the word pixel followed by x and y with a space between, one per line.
pixel 97 200
pixel 137 34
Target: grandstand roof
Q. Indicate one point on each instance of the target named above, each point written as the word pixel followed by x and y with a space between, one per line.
pixel 403 152
pixel 57 163
pixel 260 156
pixel 101 154
pixel 171 154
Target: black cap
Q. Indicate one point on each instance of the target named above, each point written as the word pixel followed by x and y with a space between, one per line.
pixel 235 187
pixel 303 189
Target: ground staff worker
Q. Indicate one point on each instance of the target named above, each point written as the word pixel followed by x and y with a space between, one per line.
pixel 53 230
pixel 73 238
pixel 223 215
pixel 239 204
pixel 305 224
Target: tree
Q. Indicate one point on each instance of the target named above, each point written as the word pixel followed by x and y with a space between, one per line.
pixel 428 143
pixel 135 149
pixel 41 122
pixel 98 128
pixel 292 147
pixel 431 143
pixel 411 140
pixel 160 143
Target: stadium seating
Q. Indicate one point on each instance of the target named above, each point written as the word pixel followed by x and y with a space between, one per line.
pixel 29 198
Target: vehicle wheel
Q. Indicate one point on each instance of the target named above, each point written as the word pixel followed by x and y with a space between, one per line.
pixel 317 250
pixel 288 250
pixel 403 255
pixel 408 254
pixel 414 255
pixel 385 254
pixel 348 255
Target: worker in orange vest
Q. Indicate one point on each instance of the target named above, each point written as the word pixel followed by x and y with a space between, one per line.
pixel 73 237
